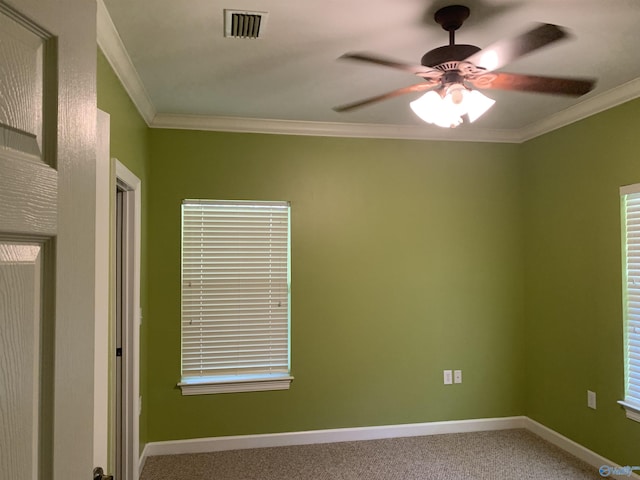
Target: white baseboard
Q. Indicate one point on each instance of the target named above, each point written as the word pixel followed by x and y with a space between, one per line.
pixel 216 444
pixel 575 449
pixel 143 459
pixel 238 442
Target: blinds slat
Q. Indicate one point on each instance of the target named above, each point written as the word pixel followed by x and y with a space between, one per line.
pixel 241 356
pixel 203 351
pixel 266 340
pixel 245 354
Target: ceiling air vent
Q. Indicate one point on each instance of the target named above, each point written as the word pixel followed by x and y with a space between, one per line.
pixel 243 24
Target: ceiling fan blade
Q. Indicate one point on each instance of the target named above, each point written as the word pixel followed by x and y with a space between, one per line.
pixel 420 87
pixel 419 70
pixel 531 83
pixel 505 51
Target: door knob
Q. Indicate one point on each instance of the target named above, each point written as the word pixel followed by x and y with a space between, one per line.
pixel 98 474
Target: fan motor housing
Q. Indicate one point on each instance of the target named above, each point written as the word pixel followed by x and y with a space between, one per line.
pixel 452 17
pixel 447 54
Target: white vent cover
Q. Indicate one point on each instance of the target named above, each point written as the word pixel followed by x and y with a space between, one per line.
pixel 244 24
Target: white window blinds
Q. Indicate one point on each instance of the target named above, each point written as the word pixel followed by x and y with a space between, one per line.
pixel 235 290
pixel 631 286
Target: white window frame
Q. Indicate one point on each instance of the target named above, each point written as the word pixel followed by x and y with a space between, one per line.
pixel 631 276
pixel 206 366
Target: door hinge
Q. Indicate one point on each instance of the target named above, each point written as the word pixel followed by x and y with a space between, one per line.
pixel 119 352
pixel 98 474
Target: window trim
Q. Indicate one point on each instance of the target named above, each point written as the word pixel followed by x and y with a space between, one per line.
pixel 632 412
pixel 632 408
pixel 249 382
pixel 205 385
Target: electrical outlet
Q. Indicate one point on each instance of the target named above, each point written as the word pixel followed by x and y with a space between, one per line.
pixel 457 376
pixel 448 379
pixel 591 399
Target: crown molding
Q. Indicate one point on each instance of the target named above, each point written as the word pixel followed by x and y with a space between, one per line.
pixel 604 101
pixel 111 45
pixel 328 129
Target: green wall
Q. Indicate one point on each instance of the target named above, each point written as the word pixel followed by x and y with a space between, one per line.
pixel 406 260
pixel 571 179
pixel 409 258
pixel 129 143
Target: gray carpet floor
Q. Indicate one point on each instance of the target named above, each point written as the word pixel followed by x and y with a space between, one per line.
pixel 504 454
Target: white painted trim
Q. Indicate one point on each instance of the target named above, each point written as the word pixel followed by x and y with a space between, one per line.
pixel 572 447
pixel 580 111
pixel 194 387
pixel 632 414
pixel 101 353
pixel 142 460
pixel 588 107
pixel 114 50
pixel 630 189
pixel 632 411
pixel 239 442
pixel 131 330
pixel 216 444
pixel 330 129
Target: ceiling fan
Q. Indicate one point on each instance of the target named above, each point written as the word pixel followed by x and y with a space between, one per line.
pixel 453 74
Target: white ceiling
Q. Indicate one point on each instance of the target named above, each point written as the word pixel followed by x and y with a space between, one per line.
pixel 181 71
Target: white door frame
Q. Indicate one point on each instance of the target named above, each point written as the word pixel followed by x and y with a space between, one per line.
pixel 131 186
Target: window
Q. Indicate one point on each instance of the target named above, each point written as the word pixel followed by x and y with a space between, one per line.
pixel 235 296
pixel 631 297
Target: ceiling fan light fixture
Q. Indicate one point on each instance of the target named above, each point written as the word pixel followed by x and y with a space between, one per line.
pixel 477 104
pixel 432 108
pixel 448 109
pixel 455 65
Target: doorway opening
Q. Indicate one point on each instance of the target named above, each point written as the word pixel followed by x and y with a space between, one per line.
pixel 126 325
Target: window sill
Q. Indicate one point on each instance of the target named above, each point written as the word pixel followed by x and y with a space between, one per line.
pixel 208 385
pixel 633 412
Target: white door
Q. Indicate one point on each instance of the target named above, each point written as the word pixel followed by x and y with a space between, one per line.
pixel 47 238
